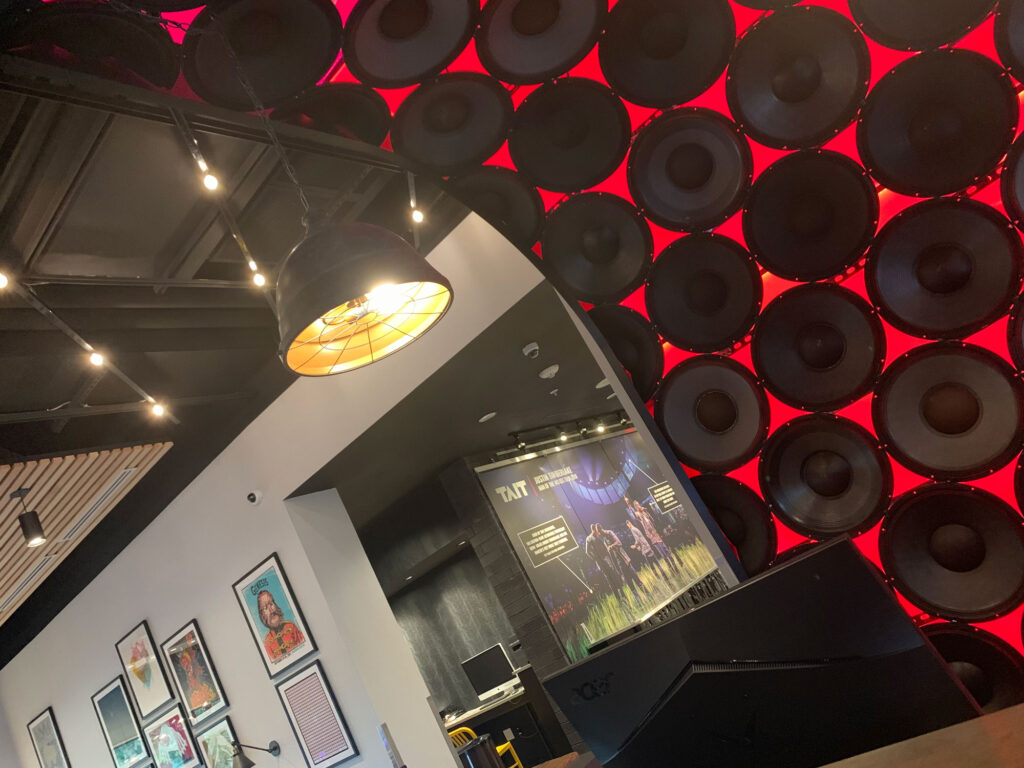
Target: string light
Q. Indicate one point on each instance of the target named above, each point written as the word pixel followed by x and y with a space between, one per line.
pixel 96 359
pixel 3 280
pixel 211 182
pixel 563 437
pixel 252 265
pixel 600 428
pixel 158 410
pixel 259 279
pixel 417 215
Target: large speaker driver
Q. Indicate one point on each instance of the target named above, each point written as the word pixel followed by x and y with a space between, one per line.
pixel 818 347
pixel 945 268
pixel 689 169
pixel 659 53
pixel 634 343
pixel 938 123
pixel 765 5
pixel 352 110
pixel 798 77
pixel 283 46
pixel 530 41
pixel 704 292
pixel 824 476
pixel 1011 182
pixel 569 135
pixel 509 204
pixel 810 215
pixel 743 517
pixel 955 551
pixel 93 38
pixel 916 25
pixel 713 413
pixel 1009 34
pixel 949 411
pixel 989 667
pixel 395 43
pixel 1015 333
pixel 165 6
pixel 452 123
pixel 599 247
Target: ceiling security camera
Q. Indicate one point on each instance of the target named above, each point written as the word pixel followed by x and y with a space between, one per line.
pixel 254 497
pixel 532 350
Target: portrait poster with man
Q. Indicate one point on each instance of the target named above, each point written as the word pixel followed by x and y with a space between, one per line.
pixel 274 616
pixel 604 538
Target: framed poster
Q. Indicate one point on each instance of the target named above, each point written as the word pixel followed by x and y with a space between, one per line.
pixel 47 742
pixel 316 718
pixel 273 616
pixel 217 744
pixel 143 670
pixel 120 729
pixel 193 673
pixel 170 741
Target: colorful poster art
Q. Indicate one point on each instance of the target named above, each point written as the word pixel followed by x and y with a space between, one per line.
pixel 193 673
pixel 143 671
pixel 120 730
pixel 217 745
pixel 47 742
pixel 604 537
pixel 170 742
pixel 273 616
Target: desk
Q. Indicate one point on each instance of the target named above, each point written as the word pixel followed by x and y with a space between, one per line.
pixel 513 699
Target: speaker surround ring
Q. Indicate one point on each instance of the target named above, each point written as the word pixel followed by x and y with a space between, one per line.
pixel 917 25
pixel 505 200
pixel 633 343
pixel 990 669
pixel 743 517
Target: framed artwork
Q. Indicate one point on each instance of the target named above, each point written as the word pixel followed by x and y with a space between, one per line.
pixel 143 670
pixel 170 742
pixel 47 742
pixel 120 729
pixel 193 674
pixel 217 744
pixel 273 616
pixel 316 718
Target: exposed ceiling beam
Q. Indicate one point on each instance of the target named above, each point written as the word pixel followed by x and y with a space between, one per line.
pixel 91 320
pixel 70 412
pixel 92 378
pixel 23 343
pixel 38 280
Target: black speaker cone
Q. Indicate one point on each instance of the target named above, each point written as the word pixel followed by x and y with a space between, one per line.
pixel 713 413
pixel 1009 36
pixel 743 517
pixel 990 668
pixel 509 204
pixel 916 25
pixel 704 292
pixel 824 476
pixel 634 343
pixel 955 551
pixel 352 110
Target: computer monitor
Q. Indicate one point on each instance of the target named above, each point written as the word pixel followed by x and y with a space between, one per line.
pixel 806 664
pixel 490 672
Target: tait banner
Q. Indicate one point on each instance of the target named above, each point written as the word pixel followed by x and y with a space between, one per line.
pixel 603 537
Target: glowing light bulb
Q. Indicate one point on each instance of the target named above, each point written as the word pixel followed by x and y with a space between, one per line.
pixel 3 280
pixel 259 279
pixel 96 359
pixel 211 182
pixel 385 299
pixel 563 437
pixel 600 427
pixel 417 215
pixel 36 541
pixel 158 410
pixel 252 265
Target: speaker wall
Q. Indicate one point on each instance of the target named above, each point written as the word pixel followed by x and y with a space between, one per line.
pixel 1015 333
pixel 530 41
pixel 743 517
pixel 949 411
pixel 938 123
pixel 916 25
pixel 824 476
pixel 689 169
pixel 93 38
pixel 955 551
pixel 793 552
pixel 1009 35
pixel 659 53
pixel 452 123
pixel 510 204
pixel 798 77
pixel 569 135
pixel 810 215
pixel 634 343
pixel 599 247
pixel 351 110
pixel 1011 182
pixel 283 46
pixel 704 292
pixel 165 6
pixel 395 43
pixel 767 4
pixel 818 347
pixel 713 413
pixel 988 667
pixel 945 268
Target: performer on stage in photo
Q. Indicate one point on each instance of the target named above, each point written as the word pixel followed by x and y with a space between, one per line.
pixel 596 547
pixel 617 551
pixel 643 546
pixel 654 536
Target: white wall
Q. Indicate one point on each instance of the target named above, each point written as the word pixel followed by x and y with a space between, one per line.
pixel 182 566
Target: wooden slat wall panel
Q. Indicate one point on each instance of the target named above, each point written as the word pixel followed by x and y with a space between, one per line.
pixel 62 489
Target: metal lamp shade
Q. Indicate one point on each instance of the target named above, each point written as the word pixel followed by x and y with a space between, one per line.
pixel 32 529
pixel 351 294
pixel 241 760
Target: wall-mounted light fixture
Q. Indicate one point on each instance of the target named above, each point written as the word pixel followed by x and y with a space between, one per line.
pixel 241 760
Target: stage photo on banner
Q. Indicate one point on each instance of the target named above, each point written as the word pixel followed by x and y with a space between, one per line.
pixel 603 537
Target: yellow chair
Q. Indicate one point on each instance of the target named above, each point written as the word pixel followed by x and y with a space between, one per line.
pixel 461 736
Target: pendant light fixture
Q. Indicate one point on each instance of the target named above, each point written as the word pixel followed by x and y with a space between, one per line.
pixel 31 528
pixel 351 294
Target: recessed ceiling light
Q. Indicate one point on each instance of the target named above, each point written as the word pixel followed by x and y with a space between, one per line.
pixel 550 372
pixel 487 417
pixel 601 384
